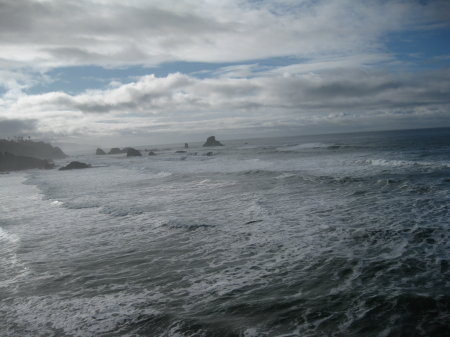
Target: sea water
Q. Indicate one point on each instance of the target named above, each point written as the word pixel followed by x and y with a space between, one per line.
pixel 335 235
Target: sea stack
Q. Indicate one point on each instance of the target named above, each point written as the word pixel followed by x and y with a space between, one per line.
pixel 100 152
pixel 133 152
pixel 115 150
pixel 211 141
pixel 75 165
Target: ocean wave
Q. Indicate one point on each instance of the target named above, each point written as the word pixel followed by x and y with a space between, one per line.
pixel 12 267
pixel 403 163
pixel 305 146
pixel 317 146
pixel 186 224
pixel 79 316
pixel 121 211
pixel 7 237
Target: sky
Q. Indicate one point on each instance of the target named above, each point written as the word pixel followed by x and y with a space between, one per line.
pixel 116 73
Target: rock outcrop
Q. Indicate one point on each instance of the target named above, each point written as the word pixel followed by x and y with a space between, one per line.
pixel 116 150
pixel 151 153
pixel 133 152
pixel 11 162
pixel 100 152
pixel 211 141
pixel 75 165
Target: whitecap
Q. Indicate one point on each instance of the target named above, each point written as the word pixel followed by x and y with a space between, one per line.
pixel 305 146
pixel 10 238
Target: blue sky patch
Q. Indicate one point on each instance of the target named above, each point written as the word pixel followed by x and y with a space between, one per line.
pixel 421 49
pixel 74 80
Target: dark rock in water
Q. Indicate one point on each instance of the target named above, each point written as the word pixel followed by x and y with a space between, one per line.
pixel 252 221
pixel 151 153
pixel 209 154
pixel 133 152
pixel 116 150
pixel 186 145
pixel 75 165
pixel 100 152
pixel 211 141
pixel 11 162
pixel 180 151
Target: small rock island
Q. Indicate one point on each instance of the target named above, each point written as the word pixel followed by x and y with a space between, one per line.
pixel 133 152
pixel 75 165
pixel 211 141
pixel 116 150
pixel 100 152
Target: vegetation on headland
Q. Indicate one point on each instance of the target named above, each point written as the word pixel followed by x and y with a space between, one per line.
pixel 26 147
pixel 23 154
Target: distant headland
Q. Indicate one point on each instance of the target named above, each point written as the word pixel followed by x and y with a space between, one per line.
pixel 23 154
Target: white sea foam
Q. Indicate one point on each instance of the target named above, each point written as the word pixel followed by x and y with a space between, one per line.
pixel 180 245
pixel 305 146
pixel 403 163
pixel 79 316
pixel 9 238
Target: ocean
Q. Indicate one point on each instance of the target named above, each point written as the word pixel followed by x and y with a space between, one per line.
pixel 331 235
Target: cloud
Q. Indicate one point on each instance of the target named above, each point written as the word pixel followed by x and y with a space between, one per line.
pixel 16 127
pixel 271 98
pixel 339 71
pixel 53 33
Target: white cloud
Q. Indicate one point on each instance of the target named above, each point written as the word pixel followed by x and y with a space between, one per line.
pixel 272 99
pixel 337 84
pixel 111 33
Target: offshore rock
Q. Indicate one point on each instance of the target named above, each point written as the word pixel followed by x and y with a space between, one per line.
pixel 211 141
pixel 11 162
pixel 116 150
pixel 75 165
pixel 100 152
pixel 151 153
pixel 133 152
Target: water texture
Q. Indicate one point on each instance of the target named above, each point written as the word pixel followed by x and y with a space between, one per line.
pixel 337 235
